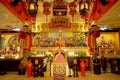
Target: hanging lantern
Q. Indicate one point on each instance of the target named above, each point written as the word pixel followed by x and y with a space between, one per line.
pixel 46 10
pixel 72 11
pixel 84 9
pixel 32 7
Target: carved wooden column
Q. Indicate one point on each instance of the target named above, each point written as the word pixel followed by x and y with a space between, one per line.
pixel 0 38
pixel 119 39
pixel 93 43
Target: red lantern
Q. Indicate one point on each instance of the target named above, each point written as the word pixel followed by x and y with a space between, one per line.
pixel 72 7
pixel 46 10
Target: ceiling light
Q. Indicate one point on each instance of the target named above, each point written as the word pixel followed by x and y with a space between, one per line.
pixel 119 14
pixel 60 13
pixel 103 28
pixel 16 29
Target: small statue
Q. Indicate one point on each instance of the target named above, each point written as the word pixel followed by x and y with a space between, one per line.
pixel 103 63
pixel 59 57
pixel 75 68
pixel 29 68
pixel 70 64
pixel 102 42
pixel 21 68
pixel 36 68
pixel 82 68
pixel 45 61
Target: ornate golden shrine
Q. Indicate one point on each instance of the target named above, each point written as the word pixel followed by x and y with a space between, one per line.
pixel 59 68
pixel 65 53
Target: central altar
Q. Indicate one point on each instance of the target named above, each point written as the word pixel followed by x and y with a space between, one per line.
pixel 59 66
pixel 59 69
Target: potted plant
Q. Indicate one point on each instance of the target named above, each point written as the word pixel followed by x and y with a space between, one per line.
pixel 30 54
pixel 82 54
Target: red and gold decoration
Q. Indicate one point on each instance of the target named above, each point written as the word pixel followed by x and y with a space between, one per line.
pixel 29 36
pixel 46 11
pixel 72 11
pixel 59 8
pixel 22 35
pixel 59 22
pixel 96 32
pixel 89 41
pixel 59 69
pixel 92 35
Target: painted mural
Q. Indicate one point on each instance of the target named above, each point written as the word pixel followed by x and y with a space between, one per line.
pixel 60 38
pixel 10 43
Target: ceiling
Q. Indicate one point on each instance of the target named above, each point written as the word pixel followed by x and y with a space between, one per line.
pixel 42 18
pixel 8 19
pixel 111 18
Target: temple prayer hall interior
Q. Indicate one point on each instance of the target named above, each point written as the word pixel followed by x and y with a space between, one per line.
pixel 60 39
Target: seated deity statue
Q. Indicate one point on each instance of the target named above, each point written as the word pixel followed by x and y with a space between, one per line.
pixel 60 41
pixel 59 57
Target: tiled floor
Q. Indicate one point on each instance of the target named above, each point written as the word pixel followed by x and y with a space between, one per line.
pixel 89 76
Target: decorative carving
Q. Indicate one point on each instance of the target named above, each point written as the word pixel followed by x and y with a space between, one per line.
pixel 44 27
pixel 59 8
